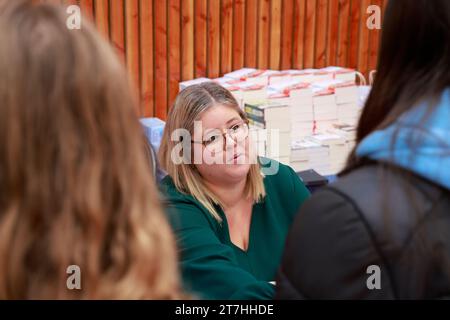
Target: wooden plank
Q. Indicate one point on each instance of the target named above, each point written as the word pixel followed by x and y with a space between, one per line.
pixel 251 29
pixel 174 49
pixel 102 17
pixel 87 9
pixel 355 11
pixel 213 39
pixel 298 34
pixel 146 47
pixel 275 35
pixel 310 33
pixel 363 51
pixel 332 32
pixel 132 43
pixel 160 11
pixel 117 25
pixel 263 34
pixel 187 39
pixel 287 26
pixel 374 41
pixel 200 39
pixel 238 34
pixel 70 2
pixel 226 54
pixel 343 34
pixel 321 34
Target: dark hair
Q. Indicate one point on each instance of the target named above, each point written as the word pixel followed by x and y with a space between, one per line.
pixel 413 64
pixel 413 68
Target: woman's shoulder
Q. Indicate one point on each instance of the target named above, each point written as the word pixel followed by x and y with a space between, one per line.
pixel 183 210
pixel 274 170
pixel 280 176
pixel 283 185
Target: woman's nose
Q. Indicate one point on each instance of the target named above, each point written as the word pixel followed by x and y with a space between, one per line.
pixel 229 142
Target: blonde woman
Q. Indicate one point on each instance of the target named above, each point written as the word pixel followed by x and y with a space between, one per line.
pixel 230 220
pixel 75 184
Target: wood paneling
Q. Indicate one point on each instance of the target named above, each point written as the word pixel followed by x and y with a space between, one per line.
pixel 163 42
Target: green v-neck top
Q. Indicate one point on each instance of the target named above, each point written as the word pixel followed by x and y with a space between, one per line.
pixel 212 266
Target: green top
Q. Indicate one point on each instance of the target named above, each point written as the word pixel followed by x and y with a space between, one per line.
pixel 212 266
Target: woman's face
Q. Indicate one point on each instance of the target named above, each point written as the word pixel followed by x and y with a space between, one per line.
pixel 224 145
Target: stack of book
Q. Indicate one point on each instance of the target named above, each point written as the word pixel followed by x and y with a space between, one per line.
pixel 301 75
pixel 337 148
pixel 307 154
pixel 300 150
pixel 299 105
pixel 274 119
pixel 252 93
pixel 348 132
pixel 347 102
pixel 299 97
pixel 266 77
pixel 324 107
pixel 275 77
pixel 243 74
pixel 153 130
pixel 346 99
pixel 339 73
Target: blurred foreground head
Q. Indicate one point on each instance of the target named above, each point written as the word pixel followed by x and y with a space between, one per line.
pixel 75 184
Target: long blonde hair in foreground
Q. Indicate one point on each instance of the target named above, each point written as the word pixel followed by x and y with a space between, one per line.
pixel 75 185
pixel 189 105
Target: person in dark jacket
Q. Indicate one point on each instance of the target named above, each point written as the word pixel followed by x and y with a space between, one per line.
pixel 382 231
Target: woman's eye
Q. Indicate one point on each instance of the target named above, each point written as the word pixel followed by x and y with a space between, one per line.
pixel 235 127
pixel 210 139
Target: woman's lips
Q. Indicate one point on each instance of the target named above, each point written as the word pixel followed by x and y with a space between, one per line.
pixel 235 158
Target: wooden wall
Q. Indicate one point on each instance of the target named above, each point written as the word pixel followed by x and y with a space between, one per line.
pixel 164 42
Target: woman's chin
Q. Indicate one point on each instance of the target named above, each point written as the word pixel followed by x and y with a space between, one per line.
pixel 237 171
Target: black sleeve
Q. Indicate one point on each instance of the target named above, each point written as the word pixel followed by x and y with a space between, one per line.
pixel 328 251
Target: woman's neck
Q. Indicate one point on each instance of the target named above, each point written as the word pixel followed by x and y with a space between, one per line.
pixel 229 194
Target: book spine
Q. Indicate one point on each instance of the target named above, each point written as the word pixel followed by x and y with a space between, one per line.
pixel 254 110
pixel 256 122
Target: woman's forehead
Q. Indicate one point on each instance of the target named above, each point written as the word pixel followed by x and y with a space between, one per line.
pixel 219 116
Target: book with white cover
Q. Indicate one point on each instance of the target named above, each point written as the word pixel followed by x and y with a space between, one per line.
pixel 285 86
pixel 344 130
pixel 340 73
pixel 243 74
pixel 279 78
pixel 252 92
pixel 324 125
pixel 261 77
pixel 327 139
pixel 348 110
pixel 226 81
pixel 323 96
pixel 344 91
pixel 306 76
pixel 269 115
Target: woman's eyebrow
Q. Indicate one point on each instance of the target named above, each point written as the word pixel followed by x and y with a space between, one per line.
pixel 233 119
pixel 208 130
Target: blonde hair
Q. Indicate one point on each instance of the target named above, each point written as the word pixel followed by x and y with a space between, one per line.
pixel 75 183
pixel 189 105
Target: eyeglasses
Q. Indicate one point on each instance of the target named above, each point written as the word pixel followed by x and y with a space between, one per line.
pixel 216 138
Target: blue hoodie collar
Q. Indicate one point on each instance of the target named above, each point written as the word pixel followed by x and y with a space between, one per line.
pixel 423 150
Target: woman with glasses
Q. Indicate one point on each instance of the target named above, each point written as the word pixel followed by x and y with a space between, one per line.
pixel 230 212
